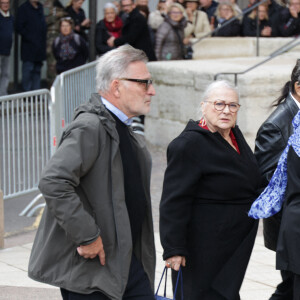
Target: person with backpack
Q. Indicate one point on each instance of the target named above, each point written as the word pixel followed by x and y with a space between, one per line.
pixel 70 49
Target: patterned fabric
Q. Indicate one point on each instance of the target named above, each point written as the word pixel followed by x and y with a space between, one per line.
pixel 66 50
pixel 270 200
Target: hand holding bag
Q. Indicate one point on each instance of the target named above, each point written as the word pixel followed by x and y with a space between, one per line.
pixel 179 277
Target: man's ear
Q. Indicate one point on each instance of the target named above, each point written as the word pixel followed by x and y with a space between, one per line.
pixel 115 84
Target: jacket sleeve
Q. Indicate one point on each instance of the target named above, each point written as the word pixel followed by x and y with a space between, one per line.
pixel 248 29
pixel 180 185
pixel 84 50
pixel 72 160
pixel 21 22
pixel 160 37
pixel 202 26
pixel 138 26
pixel 289 28
pixel 269 145
pixel 100 43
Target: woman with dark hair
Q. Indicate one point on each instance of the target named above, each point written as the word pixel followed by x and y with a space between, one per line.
pixel 271 139
pixel 70 49
pixel 81 23
pixel 111 25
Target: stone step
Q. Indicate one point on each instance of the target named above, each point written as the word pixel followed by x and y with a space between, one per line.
pixel 224 47
pixel 180 85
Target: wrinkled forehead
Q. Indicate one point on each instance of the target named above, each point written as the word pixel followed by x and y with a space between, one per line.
pixel 222 93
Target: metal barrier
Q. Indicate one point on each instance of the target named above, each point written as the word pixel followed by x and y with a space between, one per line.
pixel 25 141
pixel 69 90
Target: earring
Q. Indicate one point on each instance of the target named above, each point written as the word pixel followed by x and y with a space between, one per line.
pixel 203 122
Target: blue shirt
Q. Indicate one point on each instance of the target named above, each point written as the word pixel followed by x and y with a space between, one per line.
pixel 121 116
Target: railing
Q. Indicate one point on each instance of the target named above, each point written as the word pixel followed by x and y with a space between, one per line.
pixel 246 11
pixel 276 53
pixel 24 136
pixel 69 90
pixel 31 123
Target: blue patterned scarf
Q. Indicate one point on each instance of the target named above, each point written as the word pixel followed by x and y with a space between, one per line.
pixel 270 200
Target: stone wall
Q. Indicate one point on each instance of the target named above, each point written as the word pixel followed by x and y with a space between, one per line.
pixel 180 85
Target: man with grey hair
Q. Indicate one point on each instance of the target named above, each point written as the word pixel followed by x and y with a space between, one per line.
pixel 95 239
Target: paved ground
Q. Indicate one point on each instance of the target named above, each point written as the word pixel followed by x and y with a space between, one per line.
pixel 260 280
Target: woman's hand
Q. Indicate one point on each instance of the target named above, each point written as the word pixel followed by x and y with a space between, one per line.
pixel 175 262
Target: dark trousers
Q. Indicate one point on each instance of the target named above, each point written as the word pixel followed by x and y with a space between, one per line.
pixel 138 287
pixel 296 287
pixel 31 75
pixel 284 290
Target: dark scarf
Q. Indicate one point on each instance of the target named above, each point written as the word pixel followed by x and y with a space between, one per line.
pixel 67 52
pixel 114 28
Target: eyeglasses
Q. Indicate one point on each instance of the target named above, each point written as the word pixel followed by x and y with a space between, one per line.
pixel 146 82
pixel 220 105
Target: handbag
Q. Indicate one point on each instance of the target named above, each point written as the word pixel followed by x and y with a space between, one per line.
pixel 179 277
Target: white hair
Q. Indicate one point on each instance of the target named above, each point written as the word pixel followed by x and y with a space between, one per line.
pixel 114 64
pixel 110 5
pixel 216 85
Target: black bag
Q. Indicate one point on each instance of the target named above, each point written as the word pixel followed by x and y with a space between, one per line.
pixel 179 277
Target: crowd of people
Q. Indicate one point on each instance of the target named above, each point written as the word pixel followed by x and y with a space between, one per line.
pixel 58 34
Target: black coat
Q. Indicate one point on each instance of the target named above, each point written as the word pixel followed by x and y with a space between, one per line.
pixel 207 192
pixel 135 32
pixel 285 24
pixel 249 26
pixel 270 141
pixel 101 38
pixel 31 25
pixel 78 18
pixel 232 29
pixel 287 255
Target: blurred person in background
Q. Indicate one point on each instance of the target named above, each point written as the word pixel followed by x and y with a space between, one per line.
pixel 135 31
pixel 31 25
pixel 250 24
pixel 287 22
pixel 81 23
pixel 111 25
pixel 209 7
pixel 170 34
pixel 54 11
pixel 70 49
pixel 6 38
pixel 224 13
pixel 144 10
pixel 157 17
pixel 198 24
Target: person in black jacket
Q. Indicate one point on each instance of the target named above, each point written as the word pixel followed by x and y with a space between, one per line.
pixel 250 23
pixel 70 49
pixel 288 20
pixel 111 25
pixel 211 180
pixel 31 25
pixel 135 31
pixel 6 38
pixel 226 12
pixel 270 141
pixel 82 23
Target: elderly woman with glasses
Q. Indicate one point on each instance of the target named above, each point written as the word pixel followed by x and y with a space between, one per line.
pixel 211 180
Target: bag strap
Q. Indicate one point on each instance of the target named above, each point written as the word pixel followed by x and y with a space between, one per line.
pixel 162 276
pixel 179 277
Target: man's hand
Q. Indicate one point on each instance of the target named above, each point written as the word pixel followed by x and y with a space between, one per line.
pixel 175 262
pixel 110 41
pixel 92 250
